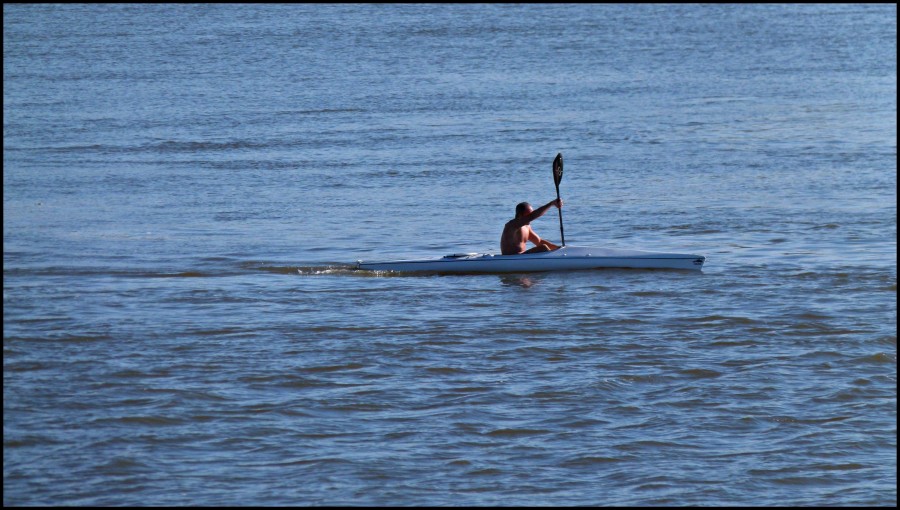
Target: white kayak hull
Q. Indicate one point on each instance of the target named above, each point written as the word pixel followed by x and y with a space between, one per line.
pixel 566 258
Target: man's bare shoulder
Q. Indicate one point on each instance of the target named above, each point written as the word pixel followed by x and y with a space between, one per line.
pixel 514 224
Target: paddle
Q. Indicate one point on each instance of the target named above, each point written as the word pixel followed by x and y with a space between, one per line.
pixel 557 178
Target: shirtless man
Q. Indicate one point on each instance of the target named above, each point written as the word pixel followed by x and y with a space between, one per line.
pixel 517 231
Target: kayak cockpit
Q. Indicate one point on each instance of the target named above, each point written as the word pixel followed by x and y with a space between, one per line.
pixel 463 255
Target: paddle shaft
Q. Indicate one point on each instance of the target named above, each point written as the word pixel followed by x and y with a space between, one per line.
pixel 561 234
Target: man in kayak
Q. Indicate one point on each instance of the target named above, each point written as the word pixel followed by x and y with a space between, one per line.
pixel 517 231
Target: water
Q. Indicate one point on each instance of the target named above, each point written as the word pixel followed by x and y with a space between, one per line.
pixel 187 187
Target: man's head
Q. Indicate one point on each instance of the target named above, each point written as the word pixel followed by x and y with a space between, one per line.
pixel 523 208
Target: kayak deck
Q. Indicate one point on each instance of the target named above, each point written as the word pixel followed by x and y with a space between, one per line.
pixel 565 258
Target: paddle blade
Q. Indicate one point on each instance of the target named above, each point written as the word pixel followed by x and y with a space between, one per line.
pixel 558 169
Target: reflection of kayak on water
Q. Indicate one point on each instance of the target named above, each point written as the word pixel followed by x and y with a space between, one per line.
pixel 563 259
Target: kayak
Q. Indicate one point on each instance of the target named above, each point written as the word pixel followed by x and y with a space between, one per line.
pixel 563 259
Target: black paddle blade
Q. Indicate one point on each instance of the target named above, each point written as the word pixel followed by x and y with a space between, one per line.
pixel 557 169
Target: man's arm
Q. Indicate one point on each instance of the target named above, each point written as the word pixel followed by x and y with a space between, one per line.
pixel 534 238
pixel 550 245
pixel 535 214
